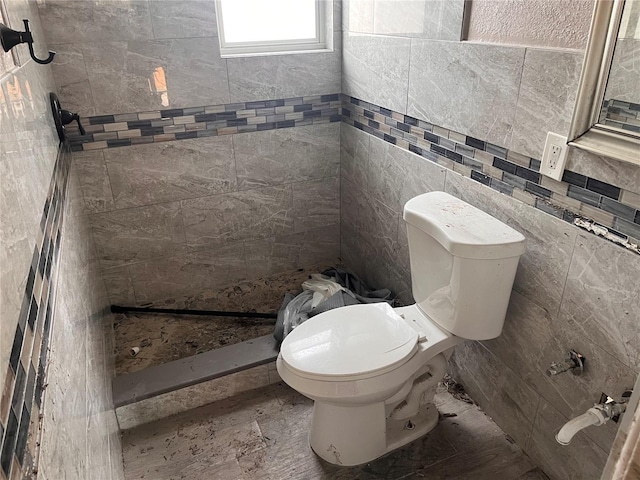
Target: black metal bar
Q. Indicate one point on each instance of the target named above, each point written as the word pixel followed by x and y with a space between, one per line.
pixel 176 311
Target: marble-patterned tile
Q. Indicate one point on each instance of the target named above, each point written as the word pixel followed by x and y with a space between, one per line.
pixel 149 75
pixel 470 88
pixel 94 179
pixel 93 21
pixel 276 157
pixel 183 19
pixel 138 234
pixel 167 278
pixel 432 19
pixel 622 174
pixel 354 155
pixel 499 391
pixel 289 252
pixel 376 69
pixel 368 216
pixel 72 79
pixel 582 460
pixel 357 16
pixel 186 399
pixel 531 340
pixel 168 171
pixel 316 203
pixel 601 298
pixel 546 98
pixel 394 175
pixel 550 241
pixel 281 76
pixel 260 213
pixel 119 286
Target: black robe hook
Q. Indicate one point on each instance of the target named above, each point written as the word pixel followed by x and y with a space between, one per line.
pixel 11 38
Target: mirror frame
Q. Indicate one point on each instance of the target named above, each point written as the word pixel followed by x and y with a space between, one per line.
pixel 585 131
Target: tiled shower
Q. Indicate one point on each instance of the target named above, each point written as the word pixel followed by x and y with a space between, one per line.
pixel 198 172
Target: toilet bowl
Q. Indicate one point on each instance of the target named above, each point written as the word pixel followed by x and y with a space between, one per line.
pixel 371 369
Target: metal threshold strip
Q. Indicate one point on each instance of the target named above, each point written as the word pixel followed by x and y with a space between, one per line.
pixel 171 376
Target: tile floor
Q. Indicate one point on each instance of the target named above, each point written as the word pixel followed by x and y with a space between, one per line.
pixel 262 434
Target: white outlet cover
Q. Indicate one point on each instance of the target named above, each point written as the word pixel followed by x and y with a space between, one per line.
pixel 553 139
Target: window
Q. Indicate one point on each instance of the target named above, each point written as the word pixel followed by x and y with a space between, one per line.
pixel 264 27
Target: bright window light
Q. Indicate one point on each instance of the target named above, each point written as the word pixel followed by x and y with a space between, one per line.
pixel 249 27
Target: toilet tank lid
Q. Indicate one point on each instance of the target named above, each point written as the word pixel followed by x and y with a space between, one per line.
pixel 462 229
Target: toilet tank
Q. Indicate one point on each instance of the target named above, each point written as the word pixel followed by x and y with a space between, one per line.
pixel 463 264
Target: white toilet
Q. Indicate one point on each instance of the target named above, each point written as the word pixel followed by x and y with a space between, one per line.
pixel 372 369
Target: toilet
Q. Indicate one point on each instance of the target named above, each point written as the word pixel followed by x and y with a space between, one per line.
pixel 371 369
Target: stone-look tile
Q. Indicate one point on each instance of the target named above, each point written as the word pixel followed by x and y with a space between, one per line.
pixel 622 83
pixel 194 272
pixel 276 157
pixel 601 298
pixel 186 399
pixel 560 462
pixel 316 203
pixel 119 287
pixel 376 69
pixel 531 340
pixel 93 21
pixel 354 155
pixel 509 401
pixel 394 175
pixel 150 75
pixel 168 171
pixel 289 252
pixel 183 19
pixel 622 174
pixel 72 79
pixel 546 98
pixel 357 16
pixel 282 76
pixel 543 267
pixel 138 234
pixel 259 213
pixel 468 88
pixel 432 19
pixel 94 178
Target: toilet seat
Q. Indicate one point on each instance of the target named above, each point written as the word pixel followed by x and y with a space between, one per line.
pixel 350 343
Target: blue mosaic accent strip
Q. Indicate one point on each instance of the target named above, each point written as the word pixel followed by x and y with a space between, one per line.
pixel 20 402
pixel 511 173
pixel 108 131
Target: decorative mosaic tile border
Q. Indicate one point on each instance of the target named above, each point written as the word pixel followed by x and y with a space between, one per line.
pixel 108 131
pixel 583 201
pixel 21 399
pixel 624 115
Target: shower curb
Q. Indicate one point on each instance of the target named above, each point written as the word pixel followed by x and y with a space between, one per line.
pixel 168 377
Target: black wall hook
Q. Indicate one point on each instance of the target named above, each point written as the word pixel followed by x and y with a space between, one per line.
pixel 11 38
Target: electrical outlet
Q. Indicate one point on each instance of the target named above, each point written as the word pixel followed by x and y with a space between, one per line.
pixel 554 156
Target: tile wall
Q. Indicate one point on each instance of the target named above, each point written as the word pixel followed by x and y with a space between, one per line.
pixel 55 375
pixel 176 218
pixel 476 119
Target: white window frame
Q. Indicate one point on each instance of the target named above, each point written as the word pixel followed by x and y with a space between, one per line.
pixel 321 43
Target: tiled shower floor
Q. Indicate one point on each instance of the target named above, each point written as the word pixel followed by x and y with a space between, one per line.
pixel 262 434
pixel 163 338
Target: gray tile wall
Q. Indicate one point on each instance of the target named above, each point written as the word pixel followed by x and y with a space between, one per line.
pixel 177 218
pixel 572 290
pixel 110 54
pixel 75 427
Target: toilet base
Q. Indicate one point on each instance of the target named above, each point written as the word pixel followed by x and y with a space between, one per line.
pixel 349 436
